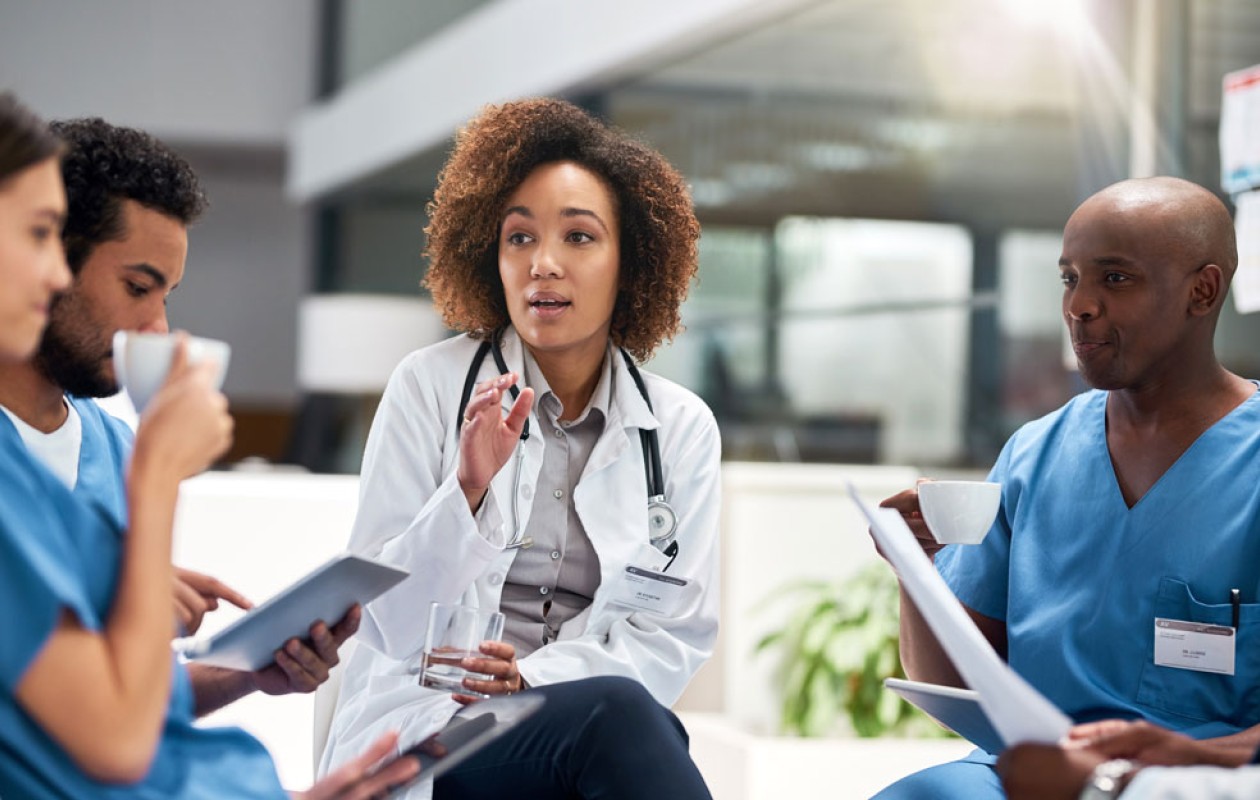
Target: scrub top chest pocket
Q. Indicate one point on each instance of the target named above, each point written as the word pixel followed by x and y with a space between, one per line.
pixel 1193 646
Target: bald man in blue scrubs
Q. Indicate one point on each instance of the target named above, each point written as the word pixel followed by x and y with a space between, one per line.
pixel 1130 516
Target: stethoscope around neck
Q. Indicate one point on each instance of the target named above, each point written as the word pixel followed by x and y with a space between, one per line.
pixel 662 519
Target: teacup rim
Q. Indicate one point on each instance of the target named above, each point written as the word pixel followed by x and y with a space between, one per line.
pixel 959 483
pixel 170 335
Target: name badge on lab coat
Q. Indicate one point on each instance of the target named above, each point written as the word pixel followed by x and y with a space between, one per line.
pixel 1194 645
pixel 648 590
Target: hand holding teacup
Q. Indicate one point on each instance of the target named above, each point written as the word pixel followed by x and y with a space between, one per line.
pixel 185 424
pixel 142 361
pixel 959 512
pixel 940 513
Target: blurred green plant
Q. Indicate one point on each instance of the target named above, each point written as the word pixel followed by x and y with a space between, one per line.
pixel 837 648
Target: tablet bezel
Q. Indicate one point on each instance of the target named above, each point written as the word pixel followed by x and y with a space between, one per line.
pixel 327 592
pixel 957 709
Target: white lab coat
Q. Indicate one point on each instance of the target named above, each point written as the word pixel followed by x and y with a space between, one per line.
pixel 412 513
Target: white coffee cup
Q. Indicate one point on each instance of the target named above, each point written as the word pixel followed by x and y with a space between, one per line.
pixel 141 361
pixel 959 512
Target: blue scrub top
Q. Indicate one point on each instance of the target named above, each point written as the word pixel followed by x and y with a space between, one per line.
pixel 58 552
pixel 1079 577
pixel 103 454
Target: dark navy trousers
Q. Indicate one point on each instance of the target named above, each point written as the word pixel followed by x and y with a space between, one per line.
pixel 600 738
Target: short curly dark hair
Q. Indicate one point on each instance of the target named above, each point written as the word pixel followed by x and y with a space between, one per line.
pixel 493 155
pixel 106 164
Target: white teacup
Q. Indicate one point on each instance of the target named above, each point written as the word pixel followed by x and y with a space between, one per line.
pixel 959 512
pixel 141 361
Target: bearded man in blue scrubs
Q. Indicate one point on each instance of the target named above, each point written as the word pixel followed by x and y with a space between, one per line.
pixel 1131 516
pixel 130 202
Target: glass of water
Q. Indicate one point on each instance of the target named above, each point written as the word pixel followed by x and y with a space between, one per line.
pixel 455 633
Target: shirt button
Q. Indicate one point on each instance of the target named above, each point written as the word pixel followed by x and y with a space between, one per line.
pixel 558 493
pixel 496 579
pixel 559 433
pixel 543 590
pixel 527 491
pixel 555 554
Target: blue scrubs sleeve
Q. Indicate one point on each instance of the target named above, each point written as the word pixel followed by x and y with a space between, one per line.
pixel 35 584
pixel 58 553
pixel 979 574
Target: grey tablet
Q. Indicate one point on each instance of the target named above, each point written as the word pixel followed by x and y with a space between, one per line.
pixel 327 593
pixel 472 729
pixel 956 709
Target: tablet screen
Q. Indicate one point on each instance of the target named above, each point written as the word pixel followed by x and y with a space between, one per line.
pixel 325 594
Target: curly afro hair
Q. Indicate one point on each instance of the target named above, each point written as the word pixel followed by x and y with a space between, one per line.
pixel 106 164
pixel 494 153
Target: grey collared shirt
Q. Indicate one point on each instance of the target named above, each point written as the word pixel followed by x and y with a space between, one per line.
pixel 554 580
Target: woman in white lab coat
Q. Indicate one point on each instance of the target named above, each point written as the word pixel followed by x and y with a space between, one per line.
pixel 514 468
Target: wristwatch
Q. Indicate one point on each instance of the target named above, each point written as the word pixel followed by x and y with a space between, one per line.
pixel 1107 779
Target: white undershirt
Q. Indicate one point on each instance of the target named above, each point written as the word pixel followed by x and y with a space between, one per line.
pixel 59 450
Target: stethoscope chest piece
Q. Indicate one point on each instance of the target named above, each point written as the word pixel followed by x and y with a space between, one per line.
pixel 662 520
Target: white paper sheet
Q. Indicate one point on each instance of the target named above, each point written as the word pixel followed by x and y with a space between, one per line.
pixel 1240 123
pixel 1246 285
pixel 1018 711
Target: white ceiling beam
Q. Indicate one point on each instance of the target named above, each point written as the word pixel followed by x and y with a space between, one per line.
pixel 504 50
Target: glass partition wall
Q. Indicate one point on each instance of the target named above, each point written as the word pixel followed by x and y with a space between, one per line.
pixel 881 185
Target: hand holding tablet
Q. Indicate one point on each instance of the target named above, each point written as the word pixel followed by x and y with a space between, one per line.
pixel 327 593
pixel 472 729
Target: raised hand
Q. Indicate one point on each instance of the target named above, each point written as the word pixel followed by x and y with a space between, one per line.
pixel 486 437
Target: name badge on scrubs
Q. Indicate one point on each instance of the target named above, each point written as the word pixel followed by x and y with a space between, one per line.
pixel 648 590
pixel 1194 645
